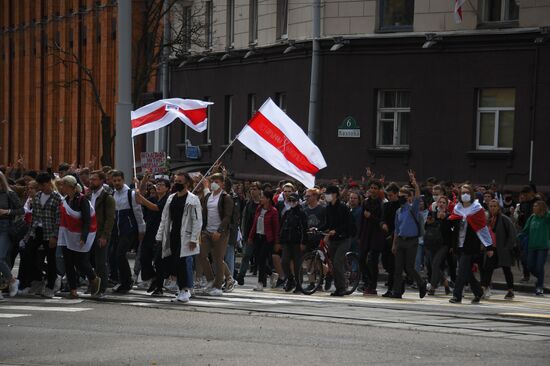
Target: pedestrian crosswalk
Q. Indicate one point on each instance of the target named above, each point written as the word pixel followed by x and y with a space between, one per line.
pixel 27 307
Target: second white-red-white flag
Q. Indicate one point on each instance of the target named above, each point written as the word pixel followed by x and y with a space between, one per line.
pixel 194 113
pixel 277 139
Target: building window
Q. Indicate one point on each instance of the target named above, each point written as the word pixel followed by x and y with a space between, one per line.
pixel 253 22
pixel 282 19
pixel 280 99
pixel 209 24
pixel 396 15
pixel 230 36
pixel 495 119
pixel 186 14
pixel 251 108
pixel 228 119
pixel 500 11
pixel 206 136
pixel 394 114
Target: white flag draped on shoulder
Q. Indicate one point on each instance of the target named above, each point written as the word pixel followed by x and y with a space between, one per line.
pixel 194 113
pixel 282 143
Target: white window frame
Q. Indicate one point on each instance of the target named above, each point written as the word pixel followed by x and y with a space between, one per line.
pixel 496 111
pixel 253 25
pixel 230 36
pixel 504 7
pixel 396 124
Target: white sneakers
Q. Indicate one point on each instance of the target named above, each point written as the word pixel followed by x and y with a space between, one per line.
pixel 274 278
pixel 214 292
pixel 183 296
pixel 14 288
pixel 229 285
pixel 487 294
pixel 259 287
pixel 57 284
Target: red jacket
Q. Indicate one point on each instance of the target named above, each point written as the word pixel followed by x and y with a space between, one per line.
pixel 271 225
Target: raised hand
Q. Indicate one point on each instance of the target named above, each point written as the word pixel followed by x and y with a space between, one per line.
pixel 412 177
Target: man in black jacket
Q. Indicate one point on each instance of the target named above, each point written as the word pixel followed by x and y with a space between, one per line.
pixel 292 237
pixel 340 228
pixel 371 237
pixel 389 211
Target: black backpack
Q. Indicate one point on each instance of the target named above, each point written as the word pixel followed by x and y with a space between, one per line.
pixel 433 238
pixel 291 228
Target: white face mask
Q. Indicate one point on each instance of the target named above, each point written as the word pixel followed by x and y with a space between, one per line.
pixel 214 187
pixel 466 197
pixel 436 198
pixel 328 198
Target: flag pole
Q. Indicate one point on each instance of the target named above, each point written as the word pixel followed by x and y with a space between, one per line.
pixel 134 156
pixel 216 162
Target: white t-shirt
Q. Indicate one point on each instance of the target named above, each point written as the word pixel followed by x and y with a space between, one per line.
pixel 260 226
pixel 44 198
pixel 214 219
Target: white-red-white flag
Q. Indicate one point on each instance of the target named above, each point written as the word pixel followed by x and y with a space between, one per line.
pixel 458 10
pixel 282 143
pixel 194 113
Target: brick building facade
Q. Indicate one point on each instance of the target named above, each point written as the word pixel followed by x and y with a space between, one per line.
pixel 38 116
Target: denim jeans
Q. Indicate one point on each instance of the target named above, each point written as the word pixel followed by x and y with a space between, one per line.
pixel 536 261
pixel 230 258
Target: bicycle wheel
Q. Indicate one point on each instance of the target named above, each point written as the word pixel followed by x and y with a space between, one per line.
pixel 311 273
pixel 352 273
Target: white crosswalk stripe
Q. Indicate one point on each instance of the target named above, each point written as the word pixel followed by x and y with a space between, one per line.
pixel 9 316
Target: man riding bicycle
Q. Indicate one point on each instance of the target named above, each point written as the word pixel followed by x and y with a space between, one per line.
pixel 340 229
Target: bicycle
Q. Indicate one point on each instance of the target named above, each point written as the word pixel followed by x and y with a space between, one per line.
pixel 316 265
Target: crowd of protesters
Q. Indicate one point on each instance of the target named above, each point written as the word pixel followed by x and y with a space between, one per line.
pixel 75 227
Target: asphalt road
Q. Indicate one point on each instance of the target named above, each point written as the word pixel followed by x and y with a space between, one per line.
pixel 273 328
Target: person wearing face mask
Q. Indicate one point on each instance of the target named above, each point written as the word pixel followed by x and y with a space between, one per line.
pixel 178 234
pixel 292 237
pixel 340 229
pixel 405 242
pixel 473 236
pixel 217 211
pixel 151 253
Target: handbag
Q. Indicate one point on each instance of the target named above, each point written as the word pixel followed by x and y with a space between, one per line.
pixel 18 227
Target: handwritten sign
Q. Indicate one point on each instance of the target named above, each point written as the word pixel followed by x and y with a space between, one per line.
pixel 154 162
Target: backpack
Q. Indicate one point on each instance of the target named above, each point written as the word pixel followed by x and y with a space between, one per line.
pixel 291 228
pixel 236 216
pixel 433 238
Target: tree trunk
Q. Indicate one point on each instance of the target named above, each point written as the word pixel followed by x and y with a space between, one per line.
pixel 106 158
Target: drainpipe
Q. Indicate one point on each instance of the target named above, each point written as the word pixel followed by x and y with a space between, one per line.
pixel 312 126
